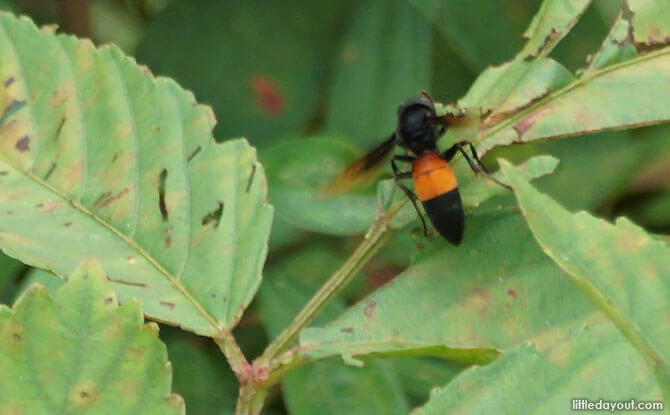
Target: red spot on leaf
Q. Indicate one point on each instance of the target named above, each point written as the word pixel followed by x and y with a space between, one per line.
pixel 268 98
pixel 23 144
pixel 380 276
pixel 526 123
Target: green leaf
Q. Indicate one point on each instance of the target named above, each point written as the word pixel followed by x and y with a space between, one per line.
pixel 619 267
pixel 78 351
pixel 481 190
pixel 640 25
pixel 385 60
pixel 493 292
pixel 551 23
pixel 624 86
pixel 502 90
pixel 629 94
pixel 617 46
pixel 103 161
pixel 651 22
pixel 328 385
pixel 546 380
pixel 299 172
pixel 264 96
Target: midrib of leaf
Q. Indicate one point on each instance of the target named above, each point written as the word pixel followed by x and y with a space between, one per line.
pixel 577 83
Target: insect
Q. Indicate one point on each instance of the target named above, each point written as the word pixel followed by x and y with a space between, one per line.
pixel 434 182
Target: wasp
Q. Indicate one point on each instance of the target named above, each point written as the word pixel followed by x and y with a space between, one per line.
pixel 436 187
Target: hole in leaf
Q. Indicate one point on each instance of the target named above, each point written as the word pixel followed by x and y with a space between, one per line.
pixel 213 216
pixel 161 194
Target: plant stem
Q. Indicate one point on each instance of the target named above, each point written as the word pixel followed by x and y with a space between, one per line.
pixel 373 241
pixel 257 379
pixel 238 363
pixel 250 400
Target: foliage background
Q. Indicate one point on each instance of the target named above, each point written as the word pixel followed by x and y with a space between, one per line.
pixel 282 73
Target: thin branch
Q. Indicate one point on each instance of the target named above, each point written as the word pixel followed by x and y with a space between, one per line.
pixel 238 363
pixel 373 241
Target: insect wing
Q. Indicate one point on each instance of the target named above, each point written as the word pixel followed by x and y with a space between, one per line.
pixel 362 168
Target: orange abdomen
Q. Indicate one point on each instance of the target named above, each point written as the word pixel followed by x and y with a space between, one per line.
pixel 432 177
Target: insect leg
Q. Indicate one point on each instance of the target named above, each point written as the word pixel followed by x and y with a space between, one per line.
pixel 398 175
pixel 476 167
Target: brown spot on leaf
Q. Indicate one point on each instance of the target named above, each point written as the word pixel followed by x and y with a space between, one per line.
pixel 67 224
pixel 347 329
pixel 167 304
pixel 268 98
pixel 9 81
pixel 124 282
pixel 193 153
pixel 251 179
pixel 479 301
pixel 109 300
pixel 107 199
pixel 370 308
pixel 167 236
pixel 511 293
pixel 83 395
pixel 50 171
pixel 23 144
pixel 49 206
pixel 3 173
pixel 59 129
pixel 102 197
